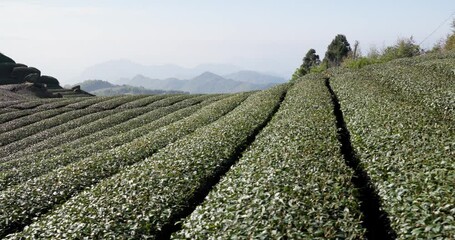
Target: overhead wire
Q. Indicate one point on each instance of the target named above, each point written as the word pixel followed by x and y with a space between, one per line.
pixel 442 24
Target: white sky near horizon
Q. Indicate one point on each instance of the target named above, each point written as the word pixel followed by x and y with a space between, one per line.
pixel 62 37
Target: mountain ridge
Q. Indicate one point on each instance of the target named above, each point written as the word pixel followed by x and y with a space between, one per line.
pixel 206 82
pixel 117 70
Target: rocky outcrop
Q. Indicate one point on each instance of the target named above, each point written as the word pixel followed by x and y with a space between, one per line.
pixel 20 73
pixel 51 82
pixel 22 79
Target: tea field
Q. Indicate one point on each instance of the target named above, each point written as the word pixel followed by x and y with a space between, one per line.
pixel 348 154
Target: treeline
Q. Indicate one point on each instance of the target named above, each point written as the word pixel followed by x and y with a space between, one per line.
pixel 340 53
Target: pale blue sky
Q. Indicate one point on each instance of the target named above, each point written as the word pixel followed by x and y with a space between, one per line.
pixel 63 37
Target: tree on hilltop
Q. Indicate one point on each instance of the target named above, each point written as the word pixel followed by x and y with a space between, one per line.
pixel 405 47
pixel 310 60
pixel 338 49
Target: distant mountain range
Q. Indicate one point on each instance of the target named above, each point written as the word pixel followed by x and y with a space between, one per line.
pixel 208 78
pixel 104 88
pixel 116 69
pixel 254 77
pixel 205 83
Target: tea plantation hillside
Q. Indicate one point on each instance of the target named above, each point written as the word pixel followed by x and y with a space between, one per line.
pixel 347 154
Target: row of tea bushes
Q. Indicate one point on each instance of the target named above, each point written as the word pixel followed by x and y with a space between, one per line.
pixel 80 127
pixel 116 102
pixel 30 154
pixel 408 152
pixel 20 170
pixel 138 202
pixel 18 119
pixel 292 183
pixel 22 203
pixel 41 138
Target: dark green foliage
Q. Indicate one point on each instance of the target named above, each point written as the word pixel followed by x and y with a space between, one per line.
pixel 298 73
pixel 19 73
pixel 360 62
pixel 49 81
pixel 5 59
pixel 292 183
pixel 310 60
pixel 450 43
pixel 403 48
pixel 12 73
pixel 338 49
pixel 6 68
pixel 400 116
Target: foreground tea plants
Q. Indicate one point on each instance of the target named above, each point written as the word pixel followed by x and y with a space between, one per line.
pixel 23 169
pixel 29 155
pixel 38 133
pixel 292 182
pixel 407 149
pixel 39 195
pixel 429 83
pixel 80 127
pixel 150 194
pixel 26 117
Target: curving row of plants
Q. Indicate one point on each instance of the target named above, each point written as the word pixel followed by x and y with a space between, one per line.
pixel 21 204
pixel 429 83
pixel 165 106
pixel 26 168
pixel 144 101
pixel 139 201
pixel 6 110
pixel 31 104
pixel 292 183
pixel 95 105
pixel 34 106
pixel 58 103
pixel 46 103
pixel 41 132
pixel 80 127
pixel 89 101
pixel 4 104
pixel 406 149
pixel 13 114
pixel 116 102
pixel 16 114
pixel 41 122
pixel 19 119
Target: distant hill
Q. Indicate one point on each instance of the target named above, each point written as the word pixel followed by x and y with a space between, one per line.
pixel 117 69
pixel 93 85
pixel 254 77
pixel 205 83
pixel 131 90
pixel 105 88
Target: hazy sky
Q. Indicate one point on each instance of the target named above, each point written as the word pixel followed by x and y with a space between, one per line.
pixel 63 37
